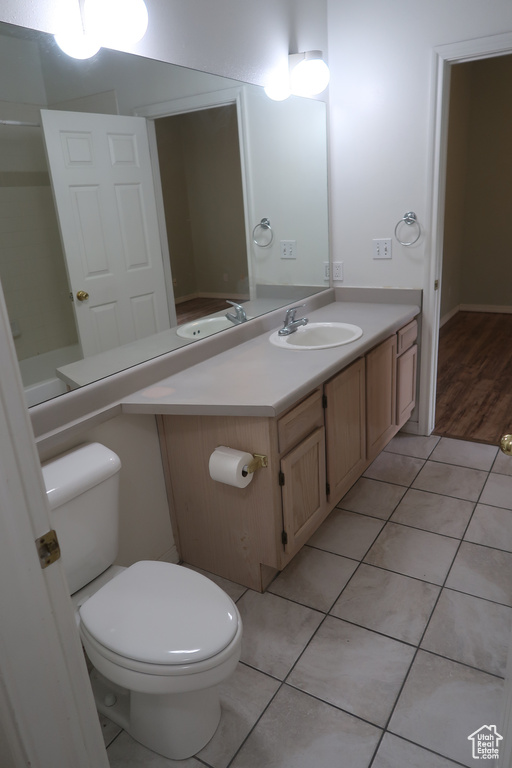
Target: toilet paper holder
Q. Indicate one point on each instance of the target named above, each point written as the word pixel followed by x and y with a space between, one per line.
pixel 258 460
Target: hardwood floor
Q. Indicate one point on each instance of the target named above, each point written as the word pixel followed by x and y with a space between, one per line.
pixel 196 308
pixel 474 379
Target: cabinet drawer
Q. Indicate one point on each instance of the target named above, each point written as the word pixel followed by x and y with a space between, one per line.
pixel 406 337
pixel 298 423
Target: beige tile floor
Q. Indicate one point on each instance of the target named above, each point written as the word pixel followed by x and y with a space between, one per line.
pixel 384 642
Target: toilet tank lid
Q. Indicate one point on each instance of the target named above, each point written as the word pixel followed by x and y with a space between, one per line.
pixel 76 471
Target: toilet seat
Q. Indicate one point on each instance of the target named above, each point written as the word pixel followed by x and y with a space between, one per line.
pixel 160 615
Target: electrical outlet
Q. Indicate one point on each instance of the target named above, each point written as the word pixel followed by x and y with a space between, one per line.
pixel 327 270
pixel 337 271
pixel 382 248
pixel 288 249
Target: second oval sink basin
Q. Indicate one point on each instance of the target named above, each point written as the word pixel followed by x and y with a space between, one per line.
pixel 197 329
pixel 318 336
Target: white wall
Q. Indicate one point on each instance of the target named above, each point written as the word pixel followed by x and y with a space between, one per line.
pixel 381 55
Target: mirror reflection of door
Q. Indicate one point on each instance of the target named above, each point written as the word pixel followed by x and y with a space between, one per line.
pixel 474 399
pixel 201 178
pixel 105 198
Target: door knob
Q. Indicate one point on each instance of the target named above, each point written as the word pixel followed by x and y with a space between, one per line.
pixel 82 295
pixel 506 444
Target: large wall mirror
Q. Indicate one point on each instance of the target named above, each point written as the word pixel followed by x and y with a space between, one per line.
pixel 138 198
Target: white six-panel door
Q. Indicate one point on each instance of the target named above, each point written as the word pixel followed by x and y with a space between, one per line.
pixel 103 186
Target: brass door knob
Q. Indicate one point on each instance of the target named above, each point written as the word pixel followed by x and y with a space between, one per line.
pixel 506 444
pixel 82 295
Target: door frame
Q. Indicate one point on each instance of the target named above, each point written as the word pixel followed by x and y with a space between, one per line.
pixel 197 103
pixel 47 709
pixel 443 58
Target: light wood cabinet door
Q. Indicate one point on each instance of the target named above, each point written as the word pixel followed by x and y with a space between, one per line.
pixel 380 396
pixel 406 385
pixel 303 492
pixel 345 425
pixel 223 529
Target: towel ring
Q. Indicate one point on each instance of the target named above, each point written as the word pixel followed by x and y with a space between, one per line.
pixel 409 219
pixel 262 234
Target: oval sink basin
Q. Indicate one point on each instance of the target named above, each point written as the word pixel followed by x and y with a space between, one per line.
pixel 205 326
pixel 318 336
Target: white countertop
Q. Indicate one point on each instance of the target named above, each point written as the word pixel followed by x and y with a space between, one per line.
pixel 96 367
pixel 257 378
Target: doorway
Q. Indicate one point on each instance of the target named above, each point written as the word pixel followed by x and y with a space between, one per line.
pixel 203 200
pixel 474 400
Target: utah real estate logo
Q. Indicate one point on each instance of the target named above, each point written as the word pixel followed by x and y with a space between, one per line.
pixel 485 743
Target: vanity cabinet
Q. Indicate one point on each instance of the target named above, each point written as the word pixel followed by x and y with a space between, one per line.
pixel 380 396
pixel 406 372
pixel 345 424
pixel 390 387
pixel 301 434
pixel 316 451
pixel 247 534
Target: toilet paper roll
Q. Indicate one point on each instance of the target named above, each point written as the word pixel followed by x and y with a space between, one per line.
pixel 226 465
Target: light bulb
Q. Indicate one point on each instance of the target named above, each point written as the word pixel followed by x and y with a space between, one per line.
pixel 310 75
pixel 77 44
pixel 278 90
pixel 116 22
pixel 70 35
pixel 278 85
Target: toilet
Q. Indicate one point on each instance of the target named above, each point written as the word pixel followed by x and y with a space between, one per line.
pixel 160 637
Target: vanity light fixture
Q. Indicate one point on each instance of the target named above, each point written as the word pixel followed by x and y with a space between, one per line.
pixel 307 74
pixel 95 23
pixel 116 22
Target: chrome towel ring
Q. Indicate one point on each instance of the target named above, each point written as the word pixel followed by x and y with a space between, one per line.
pixel 262 234
pixel 409 219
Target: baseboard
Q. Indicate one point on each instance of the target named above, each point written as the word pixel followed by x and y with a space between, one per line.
pixel 171 556
pixel 202 295
pixel 497 309
pixel 411 428
pixel 444 319
pixel 505 309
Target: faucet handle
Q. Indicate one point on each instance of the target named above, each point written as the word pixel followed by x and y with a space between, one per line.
pixel 240 311
pixel 290 313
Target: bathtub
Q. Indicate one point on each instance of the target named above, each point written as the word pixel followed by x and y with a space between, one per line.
pixel 38 373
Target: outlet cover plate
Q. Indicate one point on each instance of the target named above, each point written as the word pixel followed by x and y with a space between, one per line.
pixel 337 271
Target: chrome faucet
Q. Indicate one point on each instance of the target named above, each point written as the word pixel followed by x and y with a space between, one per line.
pixel 290 323
pixel 239 316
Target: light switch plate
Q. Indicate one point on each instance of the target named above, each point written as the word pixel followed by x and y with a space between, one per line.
pixel 382 248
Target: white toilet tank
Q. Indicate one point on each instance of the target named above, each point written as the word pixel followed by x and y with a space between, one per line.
pixel 82 487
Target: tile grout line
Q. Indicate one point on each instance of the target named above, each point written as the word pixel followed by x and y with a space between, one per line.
pixel 418 647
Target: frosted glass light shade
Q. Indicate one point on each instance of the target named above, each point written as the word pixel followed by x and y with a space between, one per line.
pixel 116 22
pixel 278 89
pixel 77 44
pixel 309 74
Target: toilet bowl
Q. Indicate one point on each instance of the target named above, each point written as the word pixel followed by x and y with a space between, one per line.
pixel 166 637
pixel 160 637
